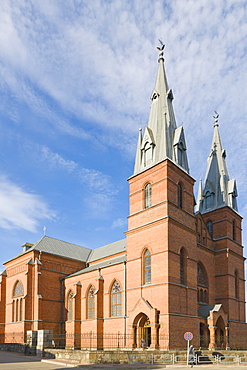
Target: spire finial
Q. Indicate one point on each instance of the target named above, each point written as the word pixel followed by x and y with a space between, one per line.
pixel 216 118
pixel 161 48
pixel 44 229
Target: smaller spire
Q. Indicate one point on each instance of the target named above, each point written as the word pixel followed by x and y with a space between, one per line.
pixel 218 190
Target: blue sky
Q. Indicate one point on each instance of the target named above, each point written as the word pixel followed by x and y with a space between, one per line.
pixel 75 85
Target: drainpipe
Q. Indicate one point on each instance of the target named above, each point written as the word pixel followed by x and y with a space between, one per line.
pixel 62 307
pixel 125 303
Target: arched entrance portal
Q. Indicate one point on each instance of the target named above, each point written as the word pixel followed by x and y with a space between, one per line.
pixel 142 331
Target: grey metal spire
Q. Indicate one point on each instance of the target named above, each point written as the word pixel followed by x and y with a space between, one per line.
pixel 161 138
pixel 218 190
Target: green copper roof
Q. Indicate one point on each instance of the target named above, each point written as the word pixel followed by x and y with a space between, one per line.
pixel 218 190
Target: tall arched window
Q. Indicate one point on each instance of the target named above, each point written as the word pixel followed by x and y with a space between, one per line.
pixel 70 306
pixel 17 303
pixel 202 283
pixel 91 303
pixel 147 267
pixel 148 196
pixel 180 196
pixel 182 266
pixel 233 230
pixel 116 299
pixel 236 277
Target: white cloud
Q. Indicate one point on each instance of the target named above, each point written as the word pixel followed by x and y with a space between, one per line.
pixel 20 209
pixel 56 160
pixel 98 189
pixel 120 222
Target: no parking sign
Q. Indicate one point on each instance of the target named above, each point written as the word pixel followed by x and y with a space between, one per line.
pixel 188 335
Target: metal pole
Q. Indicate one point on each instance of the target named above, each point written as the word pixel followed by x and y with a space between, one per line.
pixel 188 347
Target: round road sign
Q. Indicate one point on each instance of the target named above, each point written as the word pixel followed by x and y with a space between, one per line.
pixel 188 335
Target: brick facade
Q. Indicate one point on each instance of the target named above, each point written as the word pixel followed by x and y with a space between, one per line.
pixel 177 270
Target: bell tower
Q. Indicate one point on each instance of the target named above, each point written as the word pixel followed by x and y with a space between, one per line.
pixel 161 223
pixel 217 203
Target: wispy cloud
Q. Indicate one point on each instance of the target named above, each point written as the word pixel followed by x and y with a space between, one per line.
pixel 20 209
pixel 56 160
pixel 120 222
pixel 98 188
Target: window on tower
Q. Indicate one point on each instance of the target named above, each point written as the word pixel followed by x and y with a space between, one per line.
pixel 182 266
pixel 233 230
pixel 202 284
pixel 147 267
pixel 148 196
pixel 236 277
pixel 180 196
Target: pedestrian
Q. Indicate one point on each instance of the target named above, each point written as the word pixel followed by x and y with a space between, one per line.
pixel 191 355
pixel 143 343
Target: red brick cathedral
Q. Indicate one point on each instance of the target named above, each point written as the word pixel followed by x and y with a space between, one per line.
pixel 177 270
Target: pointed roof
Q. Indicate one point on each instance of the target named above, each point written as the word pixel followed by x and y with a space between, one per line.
pixel 161 139
pixel 218 190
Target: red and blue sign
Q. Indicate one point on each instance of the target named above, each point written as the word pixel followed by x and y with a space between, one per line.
pixel 188 335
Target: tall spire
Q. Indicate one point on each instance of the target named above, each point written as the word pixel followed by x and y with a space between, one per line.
pixel 218 190
pixel 161 138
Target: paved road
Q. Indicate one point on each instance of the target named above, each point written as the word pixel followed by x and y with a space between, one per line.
pixel 13 361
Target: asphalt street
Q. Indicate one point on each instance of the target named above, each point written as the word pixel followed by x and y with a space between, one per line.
pixel 13 361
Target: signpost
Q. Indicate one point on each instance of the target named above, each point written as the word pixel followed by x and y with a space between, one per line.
pixel 188 336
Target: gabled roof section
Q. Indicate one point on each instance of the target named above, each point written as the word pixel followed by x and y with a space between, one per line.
pixel 162 139
pixel 204 311
pixel 59 248
pixel 107 250
pixel 218 190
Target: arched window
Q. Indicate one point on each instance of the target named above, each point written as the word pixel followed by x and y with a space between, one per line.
pixel 18 289
pixel 236 277
pixel 182 266
pixel 202 283
pixel 210 228
pixel 148 196
pixel 201 275
pixel 233 230
pixel 91 303
pixel 17 303
pixel 13 311
pixel 147 267
pixel 180 196
pixel 20 309
pixel 70 306
pixel 17 310
pixel 116 299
